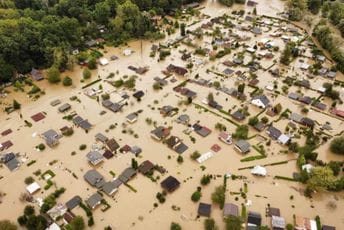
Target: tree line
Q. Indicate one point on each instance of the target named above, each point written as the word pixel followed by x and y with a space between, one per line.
pixel 39 34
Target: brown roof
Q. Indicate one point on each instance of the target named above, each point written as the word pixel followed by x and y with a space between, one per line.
pixel 37 117
pixel 112 144
pixel 145 167
pixel 6 132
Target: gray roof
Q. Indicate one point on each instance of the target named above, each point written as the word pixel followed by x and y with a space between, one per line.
pixel 136 150
pixel 294 96
pixel 50 134
pixel 111 186
pixel 55 102
pixel 64 107
pixel 230 210
pixel 74 202
pixel 93 200
pixel 77 120
pixel 101 137
pixel 243 145
pixel 278 222
pixel 132 116
pixel 296 117
pixel 94 178
pixel 204 209
pixel 183 118
pixel 12 164
pixel 85 125
pixel 274 132
pixel 127 174
pixel 94 157
pixel 263 99
pixel 181 148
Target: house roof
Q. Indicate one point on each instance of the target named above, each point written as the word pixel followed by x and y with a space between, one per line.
pixel 172 141
pixel 127 174
pixel 160 132
pixel 136 150
pixel 94 200
pixel 110 187
pixel 64 107
pixel 112 144
pixel 204 131
pixel 327 227
pixel 138 94
pixel 181 148
pixel 204 209
pixel 131 117
pixel 230 210
pixel 94 157
pixel 101 137
pixel 274 211
pixel 263 99
pixel 278 222
pixel 274 132
pixel 94 178
pixel 170 184
pixel 85 125
pixel 108 154
pixel 296 117
pixel 238 115
pixel 145 167
pixel 74 202
pixel 13 164
pixel 243 146
pixel 254 218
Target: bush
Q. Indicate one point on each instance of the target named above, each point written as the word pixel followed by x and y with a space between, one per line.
pixel 196 196
pixel 175 226
pixel 54 75
pixel 195 155
pixel 67 81
pixel 209 224
pixel 29 180
pixel 180 159
pixel 86 74
pixel 337 145
pixel 205 179
pixel 41 147
pixel 218 196
pixel 82 147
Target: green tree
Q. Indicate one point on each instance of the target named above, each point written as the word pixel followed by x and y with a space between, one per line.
pixel 180 159
pixel 337 145
pixel 296 9
pixel 175 226
pixel 16 105
pixel 209 224
pixel 54 75
pixel 134 163
pixel 218 196
pixel 241 88
pixel 182 29
pixel 196 196
pixel 241 132
pixel 233 223
pixel 102 12
pixel 314 5
pixel 86 73
pixel 29 210
pixel 321 178
pixel 77 223
pixel 7 225
pixel 92 63
pixel 67 81
pixel 6 71
pixel 227 2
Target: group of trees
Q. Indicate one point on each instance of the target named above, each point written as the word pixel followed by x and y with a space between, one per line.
pixel 334 11
pixel 42 33
pixel 324 35
pixel 231 2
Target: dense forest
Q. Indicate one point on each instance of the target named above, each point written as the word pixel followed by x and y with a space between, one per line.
pixel 42 33
pixel 334 12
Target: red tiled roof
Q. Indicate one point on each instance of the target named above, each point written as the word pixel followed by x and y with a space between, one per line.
pixel 37 117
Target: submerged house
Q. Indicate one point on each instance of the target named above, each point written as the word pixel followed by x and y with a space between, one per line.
pixel 170 184
pixel 51 137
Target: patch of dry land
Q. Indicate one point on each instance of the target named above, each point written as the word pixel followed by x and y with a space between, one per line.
pixel 226 50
